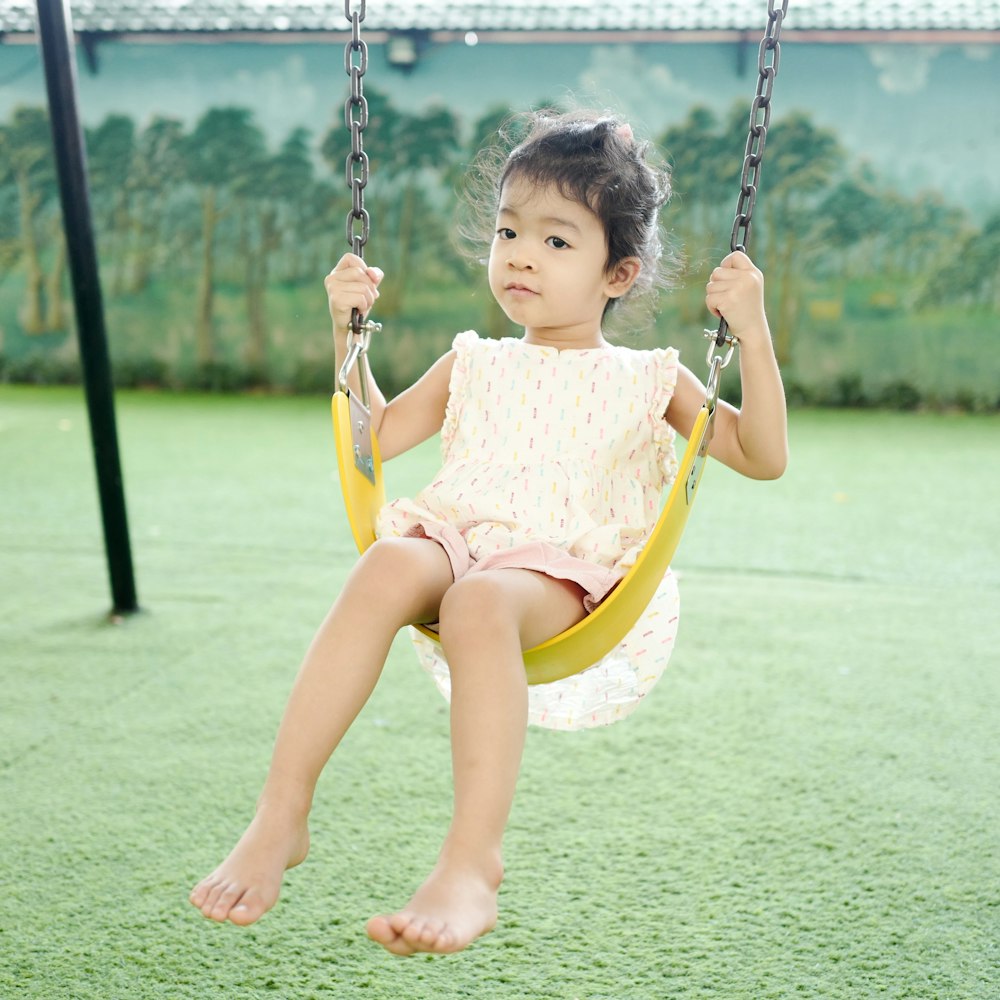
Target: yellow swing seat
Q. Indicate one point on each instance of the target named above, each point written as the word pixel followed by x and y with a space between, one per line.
pixel 604 628
pixel 360 467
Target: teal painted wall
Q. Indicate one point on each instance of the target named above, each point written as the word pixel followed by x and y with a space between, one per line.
pixel 877 227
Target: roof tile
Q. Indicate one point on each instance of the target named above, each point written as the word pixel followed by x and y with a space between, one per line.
pixel 132 16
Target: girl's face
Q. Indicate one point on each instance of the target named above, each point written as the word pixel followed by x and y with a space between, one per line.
pixel 547 266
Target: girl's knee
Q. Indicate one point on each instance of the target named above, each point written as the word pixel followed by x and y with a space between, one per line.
pixel 495 605
pixel 401 570
pixel 384 552
pixel 384 558
pixel 475 605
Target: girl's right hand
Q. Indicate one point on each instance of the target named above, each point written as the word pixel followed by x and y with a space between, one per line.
pixel 351 285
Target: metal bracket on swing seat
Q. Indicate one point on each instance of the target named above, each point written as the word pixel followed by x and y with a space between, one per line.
pixel 705 428
pixel 360 409
pixel 361 438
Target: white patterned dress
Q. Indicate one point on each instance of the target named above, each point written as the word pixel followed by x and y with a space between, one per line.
pixel 555 461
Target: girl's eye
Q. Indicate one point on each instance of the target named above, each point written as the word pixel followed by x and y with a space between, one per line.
pixel 557 243
pixel 506 234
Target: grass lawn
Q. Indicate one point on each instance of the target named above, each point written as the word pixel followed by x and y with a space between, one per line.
pixel 806 807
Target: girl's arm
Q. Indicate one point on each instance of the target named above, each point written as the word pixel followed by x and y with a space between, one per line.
pixel 754 439
pixel 414 415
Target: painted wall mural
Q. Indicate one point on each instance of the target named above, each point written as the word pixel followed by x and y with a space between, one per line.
pixel 217 174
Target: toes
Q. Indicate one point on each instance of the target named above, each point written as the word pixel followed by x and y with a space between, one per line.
pixel 209 896
pixel 422 932
pixel 224 901
pixel 381 930
pixel 404 933
pixel 428 934
pixel 444 942
pixel 244 913
pixel 241 906
pixel 199 894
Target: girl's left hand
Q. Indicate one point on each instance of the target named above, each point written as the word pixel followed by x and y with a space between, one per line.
pixel 735 291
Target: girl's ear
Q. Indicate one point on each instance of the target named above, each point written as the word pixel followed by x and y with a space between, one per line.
pixel 622 277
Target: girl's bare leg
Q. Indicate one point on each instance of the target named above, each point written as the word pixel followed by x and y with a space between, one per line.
pixel 486 620
pixel 396 582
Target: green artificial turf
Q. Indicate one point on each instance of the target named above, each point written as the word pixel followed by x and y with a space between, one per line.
pixel 805 807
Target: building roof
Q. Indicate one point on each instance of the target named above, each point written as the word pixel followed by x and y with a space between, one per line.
pixel 130 17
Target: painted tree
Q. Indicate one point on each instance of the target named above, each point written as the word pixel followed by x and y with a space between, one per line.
pixel 921 232
pixel 319 236
pixel 26 163
pixel 427 144
pixel 10 245
pixel 704 159
pixel 111 150
pixel 156 174
pixel 224 149
pixel 305 209
pixel 705 154
pixel 854 215
pixel 801 162
pixel 971 274
pixel 274 198
pixel 409 157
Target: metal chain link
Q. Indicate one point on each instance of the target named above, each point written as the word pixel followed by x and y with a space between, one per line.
pixel 356 119
pixel 768 58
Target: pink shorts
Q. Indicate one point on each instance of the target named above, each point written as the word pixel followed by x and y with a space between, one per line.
pixel 541 557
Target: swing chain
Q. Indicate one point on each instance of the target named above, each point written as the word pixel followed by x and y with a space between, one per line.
pixel 356 118
pixel 768 58
pixel 357 166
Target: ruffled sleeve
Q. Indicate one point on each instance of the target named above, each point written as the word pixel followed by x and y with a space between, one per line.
pixel 665 363
pixel 463 345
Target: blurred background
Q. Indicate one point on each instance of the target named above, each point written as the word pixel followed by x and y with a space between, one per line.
pixel 216 143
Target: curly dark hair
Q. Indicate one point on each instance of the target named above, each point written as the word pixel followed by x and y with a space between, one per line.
pixel 594 160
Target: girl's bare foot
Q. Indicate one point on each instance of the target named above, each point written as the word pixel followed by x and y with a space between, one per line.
pixel 456 905
pixel 246 885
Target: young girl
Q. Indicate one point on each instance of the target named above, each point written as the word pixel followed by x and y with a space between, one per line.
pixel 556 445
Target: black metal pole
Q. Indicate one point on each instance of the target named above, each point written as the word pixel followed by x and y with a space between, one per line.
pixel 55 32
